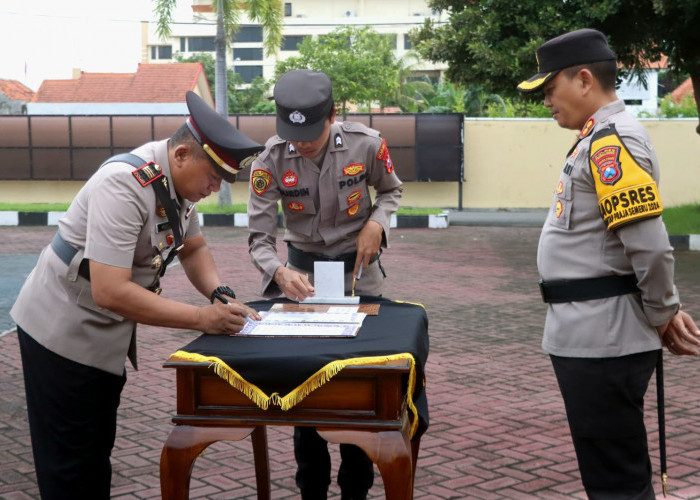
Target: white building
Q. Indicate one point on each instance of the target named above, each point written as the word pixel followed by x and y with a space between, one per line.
pixel 302 18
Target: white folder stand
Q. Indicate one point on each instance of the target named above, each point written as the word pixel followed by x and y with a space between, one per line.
pixel 329 284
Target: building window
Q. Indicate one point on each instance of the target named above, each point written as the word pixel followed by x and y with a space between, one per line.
pixel 248 54
pixel 183 44
pixel 392 39
pixel 249 34
pixel 161 52
pixel 247 73
pixel 292 42
pixel 406 42
pixel 287 9
pixel 201 44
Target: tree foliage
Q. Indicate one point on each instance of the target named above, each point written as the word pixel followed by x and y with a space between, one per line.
pixel 493 42
pixel 359 62
pixel 240 100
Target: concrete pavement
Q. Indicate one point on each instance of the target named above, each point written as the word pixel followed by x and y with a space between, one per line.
pixel 498 428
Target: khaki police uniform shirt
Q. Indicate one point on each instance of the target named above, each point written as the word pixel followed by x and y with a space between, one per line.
pixel 575 244
pixel 324 207
pixel 112 220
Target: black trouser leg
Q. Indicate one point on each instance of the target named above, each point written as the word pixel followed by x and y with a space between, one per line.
pixel 313 463
pixel 72 411
pixel 355 474
pixel 604 400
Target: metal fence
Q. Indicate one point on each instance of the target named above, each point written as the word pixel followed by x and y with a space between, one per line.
pixel 424 147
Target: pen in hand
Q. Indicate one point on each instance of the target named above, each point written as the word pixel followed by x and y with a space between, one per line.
pixel 359 275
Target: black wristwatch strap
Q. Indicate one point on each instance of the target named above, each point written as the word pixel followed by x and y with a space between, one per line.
pixel 219 293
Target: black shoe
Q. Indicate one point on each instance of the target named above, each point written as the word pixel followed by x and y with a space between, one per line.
pixel 314 494
pixel 353 496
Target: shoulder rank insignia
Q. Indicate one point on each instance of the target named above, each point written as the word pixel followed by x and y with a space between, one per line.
pixel 626 192
pixel 587 128
pixel 148 173
pixel 292 150
pixel 260 180
pixel 338 141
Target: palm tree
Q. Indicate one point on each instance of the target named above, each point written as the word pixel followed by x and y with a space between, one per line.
pixel 269 13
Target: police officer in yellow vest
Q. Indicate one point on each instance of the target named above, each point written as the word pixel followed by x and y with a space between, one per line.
pixel 606 266
pixel 77 312
pixel 321 172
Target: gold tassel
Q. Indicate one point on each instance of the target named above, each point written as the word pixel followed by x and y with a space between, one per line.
pixel 318 379
pixel 230 375
pixel 664 483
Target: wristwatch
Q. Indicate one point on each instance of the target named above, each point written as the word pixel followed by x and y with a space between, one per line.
pixel 219 293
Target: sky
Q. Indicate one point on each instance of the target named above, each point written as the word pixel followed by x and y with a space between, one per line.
pixel 46 39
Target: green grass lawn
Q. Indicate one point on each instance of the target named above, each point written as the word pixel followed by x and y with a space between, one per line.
pixel 683 219
pixel 209 208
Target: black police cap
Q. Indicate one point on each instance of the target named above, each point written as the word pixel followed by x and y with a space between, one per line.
pixel 231 150
pixel 304 100
pixel 570 49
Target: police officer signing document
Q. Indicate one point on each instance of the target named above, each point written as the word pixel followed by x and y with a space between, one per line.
pixel 607 268
pixel 77 312
pixel 321 172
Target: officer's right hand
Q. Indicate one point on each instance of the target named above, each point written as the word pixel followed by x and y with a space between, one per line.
pixel 294 285
pixel 680 335
pixel 225 319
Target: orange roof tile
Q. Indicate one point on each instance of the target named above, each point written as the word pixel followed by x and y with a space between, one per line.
pixel 682 90
pixel 150 83
pixel 16 90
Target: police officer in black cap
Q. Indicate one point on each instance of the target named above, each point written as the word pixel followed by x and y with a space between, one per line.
pixel 607 268
pixel 77 312
pixel 321 172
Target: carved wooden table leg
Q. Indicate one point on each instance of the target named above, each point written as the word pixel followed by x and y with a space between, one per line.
pixel 390 450
pixel 262 462
pixel 181 448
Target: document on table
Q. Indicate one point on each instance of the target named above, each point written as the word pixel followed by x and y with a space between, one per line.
pixel 305 324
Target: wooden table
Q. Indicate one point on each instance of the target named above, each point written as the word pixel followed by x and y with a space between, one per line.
pixel 363 405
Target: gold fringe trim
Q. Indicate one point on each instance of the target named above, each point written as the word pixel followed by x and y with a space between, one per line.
pixel 316 380
pixel 227 373
pixel 407 302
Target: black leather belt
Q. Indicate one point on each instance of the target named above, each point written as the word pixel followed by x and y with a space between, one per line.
pixel 305 260
pixel 66 252
pixel 588 288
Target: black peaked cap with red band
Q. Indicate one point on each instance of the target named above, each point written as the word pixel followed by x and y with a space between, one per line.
pixel 232 150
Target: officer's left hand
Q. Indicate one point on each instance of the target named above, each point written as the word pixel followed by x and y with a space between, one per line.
pixel 368 242
pixel 680 335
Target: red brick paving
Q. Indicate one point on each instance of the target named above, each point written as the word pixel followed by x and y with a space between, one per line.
pixel 498 428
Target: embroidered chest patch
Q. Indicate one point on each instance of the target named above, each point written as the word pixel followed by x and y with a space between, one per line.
pixel 354 169
pixel 295 206
pixel 290 179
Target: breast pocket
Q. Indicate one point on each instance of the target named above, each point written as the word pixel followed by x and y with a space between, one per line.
pixel 299 214
pixel 560 212
pixel 353 205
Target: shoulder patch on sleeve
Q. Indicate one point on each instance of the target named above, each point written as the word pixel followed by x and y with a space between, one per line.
pixel 626 192
pixel 148 173
pixel 260 180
